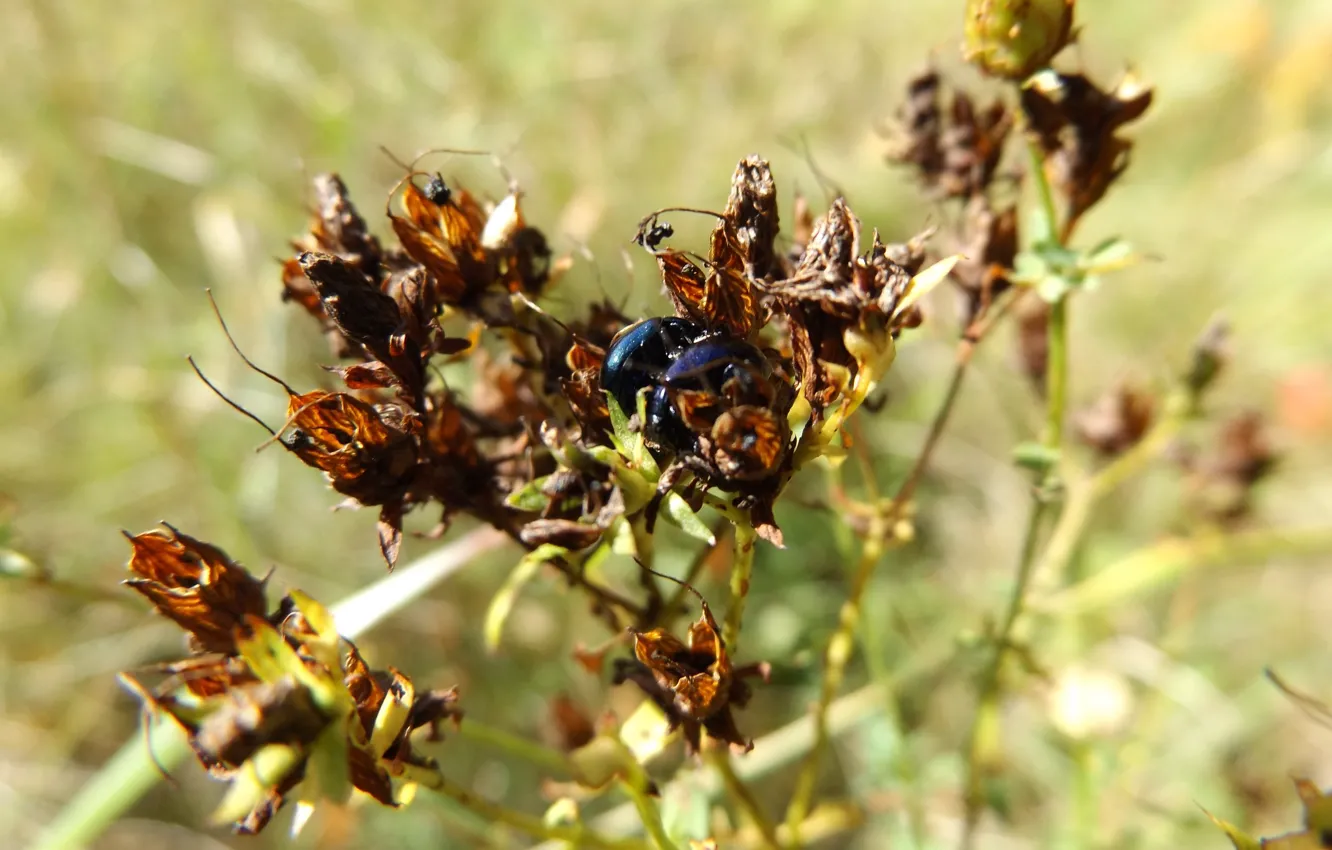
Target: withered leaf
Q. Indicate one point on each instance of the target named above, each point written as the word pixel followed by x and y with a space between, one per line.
pixel 370 375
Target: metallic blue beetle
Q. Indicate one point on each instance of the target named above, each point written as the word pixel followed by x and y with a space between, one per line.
pixel 665 355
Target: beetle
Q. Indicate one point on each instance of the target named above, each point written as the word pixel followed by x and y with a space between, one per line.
pixel 668 355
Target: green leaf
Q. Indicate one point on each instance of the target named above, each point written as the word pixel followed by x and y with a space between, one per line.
pixel 249 785
pixel 677 510
pixel 1110 255
pixel 1054 287
pixel 328 772
pixel 502 605
pixel 530 497
pixel 325 644
pixel 393 714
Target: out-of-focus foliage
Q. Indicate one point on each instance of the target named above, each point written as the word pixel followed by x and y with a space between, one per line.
pixel 153 149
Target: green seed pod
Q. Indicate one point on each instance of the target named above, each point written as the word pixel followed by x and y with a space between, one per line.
pixel 1014 39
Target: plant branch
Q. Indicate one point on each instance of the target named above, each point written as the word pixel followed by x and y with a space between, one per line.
pixel 578 836
pixel 636 784
pixel 984 735
pixel 835 660
pixel 522 748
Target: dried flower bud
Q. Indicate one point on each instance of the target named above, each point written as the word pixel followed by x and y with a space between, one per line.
pixel 1209 357
pixel 1117 421
pixel 1077 125
pixel 956 153
pixel 1014 39
pixel 196 585
pixel 694 684
pixel 286 714
pixel 1222 480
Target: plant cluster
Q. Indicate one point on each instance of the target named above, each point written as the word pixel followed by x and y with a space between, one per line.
pixel 575 437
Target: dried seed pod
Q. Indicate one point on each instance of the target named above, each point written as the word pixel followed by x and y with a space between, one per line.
pixel 275 690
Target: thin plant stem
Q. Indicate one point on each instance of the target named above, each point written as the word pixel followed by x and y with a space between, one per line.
pixel 882 526
pixel 720 759
pixel 1082 500
pixel 636 783
pixel 577 835
pixel 984 735
pixel 1056 377
pixel 836 657
pixel 518 747
pixel 742 570
pixel 720 530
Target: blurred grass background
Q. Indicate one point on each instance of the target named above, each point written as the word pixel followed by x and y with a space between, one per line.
pixel 150 150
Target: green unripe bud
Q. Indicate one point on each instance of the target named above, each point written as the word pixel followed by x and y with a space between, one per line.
pixel 1014 39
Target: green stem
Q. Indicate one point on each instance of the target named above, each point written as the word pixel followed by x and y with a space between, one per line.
pixel 983 745
pixel 1045 224
pixel 784 746
pixel 521 748
pixel 836 658
pixel 636 784
pixel 736 789
pixel 742 570
pixel 983 739
pixel 1080 506
pixel 578 835
pixel 1056 377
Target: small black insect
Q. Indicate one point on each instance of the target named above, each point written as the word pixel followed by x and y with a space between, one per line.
pixel 667 355
pixel 437 191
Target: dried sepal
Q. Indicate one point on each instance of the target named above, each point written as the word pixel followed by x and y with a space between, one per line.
pixel 337 229
pixel 749 223
pixel 196 585
pixel 1222 478
pixel 845 308
pixel 988 249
